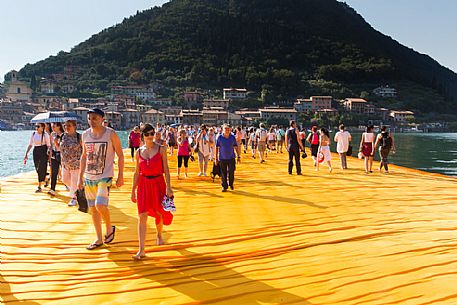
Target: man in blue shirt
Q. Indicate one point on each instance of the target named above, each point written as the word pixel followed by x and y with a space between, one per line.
pixel 225 156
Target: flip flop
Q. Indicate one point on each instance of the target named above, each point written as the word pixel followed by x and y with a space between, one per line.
pixel 94 246
pixel 110 237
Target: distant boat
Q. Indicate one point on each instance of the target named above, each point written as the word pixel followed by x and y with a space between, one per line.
pixel 19 126
pixel 411 130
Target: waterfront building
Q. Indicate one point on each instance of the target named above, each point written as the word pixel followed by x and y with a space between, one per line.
pixel 173 118
pixel 153 116
pixel 129 118
pixel 71 103
pixel 327 112
pixel 355 105
pixel 235 119
pixel 114 118
pixel 191 117
pixel 50 103
pixel 211 103
pixel 321 102
pixel 400 116
pixel 82 112
pixel 171 110
pixel 17 90
pixel 249 114
pixel 47 86
pixel 235 94
pixel 11 112
pixel 192 97
pixel 214 116
pixel 278 113
pixel 143 108
pixel 385 91
pixel 124 101
pixel 143 93
pixel 383 113
pixel 161 102
pixel 2 91
pixel 303 105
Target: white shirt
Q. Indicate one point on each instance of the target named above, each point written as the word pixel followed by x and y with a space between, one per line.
pixel 40 139
pixel 368 137
pixel 342 139
pixel 203 146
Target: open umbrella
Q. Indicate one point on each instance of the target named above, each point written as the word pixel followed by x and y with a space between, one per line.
pixel 55 116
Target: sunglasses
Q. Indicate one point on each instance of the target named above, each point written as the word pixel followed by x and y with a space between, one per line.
pixel 147 134
pixel 37 126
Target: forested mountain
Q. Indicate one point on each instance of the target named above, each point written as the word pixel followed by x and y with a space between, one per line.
pixel 287 47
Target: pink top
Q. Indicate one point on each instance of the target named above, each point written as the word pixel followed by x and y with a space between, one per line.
pixel 134 139
pixel 183 150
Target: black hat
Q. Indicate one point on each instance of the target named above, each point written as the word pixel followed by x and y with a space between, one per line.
pixel 97 111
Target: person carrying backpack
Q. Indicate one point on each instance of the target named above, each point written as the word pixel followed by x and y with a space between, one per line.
pixel 386 144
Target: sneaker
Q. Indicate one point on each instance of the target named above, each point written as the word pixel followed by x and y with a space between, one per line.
pixel 39 190
pixel 73 202
pixel 204 175
pixel 231 187
pixel 200 174
pixel 52 192
pixel 223 190
pixel 168 204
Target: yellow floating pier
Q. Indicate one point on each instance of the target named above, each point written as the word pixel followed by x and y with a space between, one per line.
pixel 320 238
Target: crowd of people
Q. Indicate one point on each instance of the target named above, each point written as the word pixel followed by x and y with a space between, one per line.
pixel 87 161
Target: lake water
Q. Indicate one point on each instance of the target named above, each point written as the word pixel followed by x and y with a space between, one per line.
pixel 432 152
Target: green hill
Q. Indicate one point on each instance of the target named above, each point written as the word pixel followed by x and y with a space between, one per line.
pixel 282 47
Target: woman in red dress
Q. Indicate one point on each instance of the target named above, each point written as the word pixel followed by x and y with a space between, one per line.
pixel 150 187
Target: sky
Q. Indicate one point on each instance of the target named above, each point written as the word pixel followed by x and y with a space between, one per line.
pixel 427 26
pixel 33 30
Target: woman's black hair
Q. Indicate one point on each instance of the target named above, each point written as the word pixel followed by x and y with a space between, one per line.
pixel 146 128
pixel 370 127
pixel 325 131
pixel 58 124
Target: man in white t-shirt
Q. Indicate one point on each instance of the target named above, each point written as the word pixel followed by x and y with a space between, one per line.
pixel 342 139
pixel 261 135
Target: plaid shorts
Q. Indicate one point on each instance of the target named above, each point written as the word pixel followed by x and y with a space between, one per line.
pixel 97 191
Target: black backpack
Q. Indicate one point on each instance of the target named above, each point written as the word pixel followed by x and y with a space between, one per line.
pixel 386 140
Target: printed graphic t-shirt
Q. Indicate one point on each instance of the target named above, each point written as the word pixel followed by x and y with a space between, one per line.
pixel 99 155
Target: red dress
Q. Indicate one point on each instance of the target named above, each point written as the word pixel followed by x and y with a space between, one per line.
pixel 152 189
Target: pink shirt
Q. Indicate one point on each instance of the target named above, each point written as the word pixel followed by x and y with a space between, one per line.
pixel 134 139
pixel 183 150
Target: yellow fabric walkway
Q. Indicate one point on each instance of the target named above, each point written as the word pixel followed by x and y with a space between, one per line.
pixel 340 238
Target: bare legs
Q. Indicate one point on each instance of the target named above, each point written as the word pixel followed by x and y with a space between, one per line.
pixel 368 164
pixel 99 213
pixel 142 228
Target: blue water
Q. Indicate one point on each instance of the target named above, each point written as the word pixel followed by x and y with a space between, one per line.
pixel 432 152
pixel 13 145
